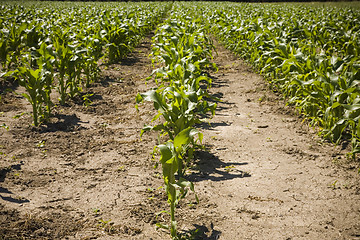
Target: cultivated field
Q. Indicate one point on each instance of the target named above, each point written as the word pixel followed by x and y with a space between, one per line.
pixel 186 120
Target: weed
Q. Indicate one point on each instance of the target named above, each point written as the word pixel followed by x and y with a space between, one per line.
pixel 333 185
pixel 40 144
pixel 262 98
pixel 43 152
pixel 229 168
pixel 5 126
pixel 106 225
pixel 121 169
pixel 86 98
pixel 104 125
pixel 96 211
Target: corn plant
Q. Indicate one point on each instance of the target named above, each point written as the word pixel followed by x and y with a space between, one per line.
pixel 180 99
pixel 117 39
pixel 35 82
pixel 11 45
pixel 172 156
pixel 185 51
pixel 179 109
pixel 38 82
pixel 94 54
pixel 45 62
pixel 310 54
pixel 81 37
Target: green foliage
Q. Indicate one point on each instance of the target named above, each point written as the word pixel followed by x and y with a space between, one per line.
pixel 38 84
pixel 61 46
pixel 183 51
pixel 4 126
pixel 172 156
pixel 310 54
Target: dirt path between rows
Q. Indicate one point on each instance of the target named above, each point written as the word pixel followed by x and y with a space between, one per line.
pixel 281 181
pixel 87 174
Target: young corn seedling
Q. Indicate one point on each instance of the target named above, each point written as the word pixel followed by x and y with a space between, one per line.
pixel 34 82
pixel 172 155
pixel 179 101
pixel 38 82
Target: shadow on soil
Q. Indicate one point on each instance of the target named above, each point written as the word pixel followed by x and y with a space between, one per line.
pixel 8 85
pixel 223 106
pixel 210 126
pixel 90 96
pixel 201 232
pixel 6 170
pixel 130 60
pixel 106 81
pixel 212 168
pixel 13 200
pixel 217 83
pixel 65 123
pixel 3 173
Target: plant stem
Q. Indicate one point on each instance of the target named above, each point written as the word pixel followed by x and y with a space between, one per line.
pixel 35 113
pixel 173 222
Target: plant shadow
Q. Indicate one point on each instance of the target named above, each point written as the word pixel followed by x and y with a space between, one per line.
pixel 3 173
pixel 130 60
pixel 65 123
pixel 210 167
pixel 221 105
pixel 211 126
pixel 106 81
pixel 217 83
pixel 91 96
pixel 201 232
pixel 217 97
pixel 14 200
pixel 8 85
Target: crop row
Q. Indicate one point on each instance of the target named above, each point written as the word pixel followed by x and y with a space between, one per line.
pixel 310 54
pixel 182 52
pixel 62 47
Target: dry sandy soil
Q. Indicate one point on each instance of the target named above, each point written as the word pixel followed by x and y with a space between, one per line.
pixel 88 175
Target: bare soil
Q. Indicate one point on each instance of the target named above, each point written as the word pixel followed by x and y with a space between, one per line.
pixel 88 175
